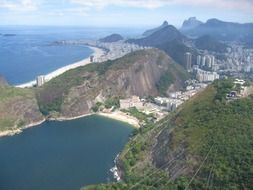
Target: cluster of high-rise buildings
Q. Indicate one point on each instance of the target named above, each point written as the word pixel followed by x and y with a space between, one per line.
pixel 203 67
pixel 238 59
pixel 116 50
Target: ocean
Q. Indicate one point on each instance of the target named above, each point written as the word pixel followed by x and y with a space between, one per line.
pixel 62 155
pixel 26 51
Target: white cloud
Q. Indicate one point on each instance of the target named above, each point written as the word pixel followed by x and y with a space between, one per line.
pixel 245 5
pixel 20 5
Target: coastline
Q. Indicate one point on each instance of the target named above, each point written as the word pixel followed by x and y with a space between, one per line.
pixel 18 131
pixel 121 116
pixel 117 115
pixel 97 54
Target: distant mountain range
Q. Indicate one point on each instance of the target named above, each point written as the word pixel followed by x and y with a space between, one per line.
pixel 112 38
pixel 190 24
pixel 195 34
pixel 168 39
pixel 220 30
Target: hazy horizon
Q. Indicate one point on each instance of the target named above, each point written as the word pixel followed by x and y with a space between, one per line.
pixel 121 13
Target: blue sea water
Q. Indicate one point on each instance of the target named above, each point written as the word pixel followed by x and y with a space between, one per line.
pixel 62 155
pixel 30 51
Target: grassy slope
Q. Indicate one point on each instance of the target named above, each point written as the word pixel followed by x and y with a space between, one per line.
pixel 8 97
pixel 219 132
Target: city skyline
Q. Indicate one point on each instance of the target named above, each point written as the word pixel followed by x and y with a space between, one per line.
pixel 120 13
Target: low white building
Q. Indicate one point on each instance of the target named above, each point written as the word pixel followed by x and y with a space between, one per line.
pixel 206 76
pixel 131 102
pixel 175 94
pixel 169 104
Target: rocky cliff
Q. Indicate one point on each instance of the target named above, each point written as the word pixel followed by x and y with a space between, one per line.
pixel 75 92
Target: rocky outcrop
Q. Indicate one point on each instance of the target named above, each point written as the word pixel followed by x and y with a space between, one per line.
pixel 190 24
pixel 135 74
pixel 152 31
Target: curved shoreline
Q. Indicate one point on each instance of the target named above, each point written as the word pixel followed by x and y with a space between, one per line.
pixel 97 53
pixel 18 131
pixel 118 116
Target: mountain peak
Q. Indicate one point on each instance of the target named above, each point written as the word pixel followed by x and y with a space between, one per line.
pixel 191 23
pixel 152 31
pixel 165 23
pixel 112 38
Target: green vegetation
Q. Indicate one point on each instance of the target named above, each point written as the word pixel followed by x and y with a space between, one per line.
pixel 224 128
pixel 163 84
pixel 7 93
pixel 96 107
pixel 51 95
pixel 217 136
pixel 209 43
pixel 62 94
pixel 112 102
pixel 144 118
pixel 223 87
pixel 9 113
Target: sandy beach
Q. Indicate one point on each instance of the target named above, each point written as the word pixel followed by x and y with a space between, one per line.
pixel 121 116
pixel 117 115
pixel 97 54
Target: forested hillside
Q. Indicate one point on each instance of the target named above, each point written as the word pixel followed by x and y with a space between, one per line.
pixel 206 144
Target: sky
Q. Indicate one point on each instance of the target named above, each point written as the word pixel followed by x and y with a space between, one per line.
pixel 121 13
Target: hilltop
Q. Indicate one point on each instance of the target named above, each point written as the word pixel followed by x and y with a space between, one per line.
pixel 190 24
pixel 111 38
pixel 152 31
pixel 205 144
pixel 141 73
pixel 168 39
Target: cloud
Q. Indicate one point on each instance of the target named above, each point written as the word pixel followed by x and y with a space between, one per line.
pixel 244 5
pixel 20 5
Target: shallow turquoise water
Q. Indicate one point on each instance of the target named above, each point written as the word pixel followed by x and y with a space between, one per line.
pixel 62 155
